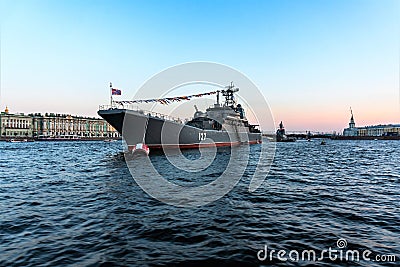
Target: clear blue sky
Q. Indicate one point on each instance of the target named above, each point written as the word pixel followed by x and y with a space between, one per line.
pixel 311 59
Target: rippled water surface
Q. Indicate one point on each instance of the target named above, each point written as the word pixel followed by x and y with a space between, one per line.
pixel 75 203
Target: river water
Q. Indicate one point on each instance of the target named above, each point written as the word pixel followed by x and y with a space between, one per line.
pixel 76 203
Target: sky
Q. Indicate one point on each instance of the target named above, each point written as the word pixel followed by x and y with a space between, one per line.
pixel 311 59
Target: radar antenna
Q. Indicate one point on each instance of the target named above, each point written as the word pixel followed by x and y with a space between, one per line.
pixel 229 97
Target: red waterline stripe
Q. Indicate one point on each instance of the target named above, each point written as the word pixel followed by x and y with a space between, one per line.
pixel 200 145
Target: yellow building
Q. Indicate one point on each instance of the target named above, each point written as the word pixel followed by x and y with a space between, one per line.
pixel 15 125
pixel 51 125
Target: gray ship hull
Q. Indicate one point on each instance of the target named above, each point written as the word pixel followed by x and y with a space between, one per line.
pixel 158 132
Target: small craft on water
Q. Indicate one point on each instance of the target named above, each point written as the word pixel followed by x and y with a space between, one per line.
pixel 140 149
pixel 18 140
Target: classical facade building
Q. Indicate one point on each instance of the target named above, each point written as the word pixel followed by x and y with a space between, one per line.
pixel 14 125
pixel 70 127
pixel 380 130
pixel 52 125
pixel 374 130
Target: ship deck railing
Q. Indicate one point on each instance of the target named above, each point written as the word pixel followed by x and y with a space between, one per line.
pixel 147 113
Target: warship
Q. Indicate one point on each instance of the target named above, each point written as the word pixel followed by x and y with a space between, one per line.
pixel 223 124
pixel 281 135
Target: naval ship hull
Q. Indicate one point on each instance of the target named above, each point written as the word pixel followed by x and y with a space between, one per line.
pixel 158 132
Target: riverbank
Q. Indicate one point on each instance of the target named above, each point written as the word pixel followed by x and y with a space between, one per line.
pixel 334 137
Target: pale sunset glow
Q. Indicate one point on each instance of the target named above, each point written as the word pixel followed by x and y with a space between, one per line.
pixel 312 60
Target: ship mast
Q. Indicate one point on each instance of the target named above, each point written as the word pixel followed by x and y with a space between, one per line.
pixel 111 100
pixel 229 97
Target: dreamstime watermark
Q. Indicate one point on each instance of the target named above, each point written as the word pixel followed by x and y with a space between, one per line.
pixel 339 253
pixel 136 126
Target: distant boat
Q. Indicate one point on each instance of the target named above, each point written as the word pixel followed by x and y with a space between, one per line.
pixel 270 138
pixel 281 135
pixel 18 140
pixel 59 138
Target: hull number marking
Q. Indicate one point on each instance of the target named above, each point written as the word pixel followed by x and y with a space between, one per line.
pixel 202 136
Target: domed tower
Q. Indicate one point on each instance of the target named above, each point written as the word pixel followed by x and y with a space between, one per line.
pixel 352 124
pixel 352 130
